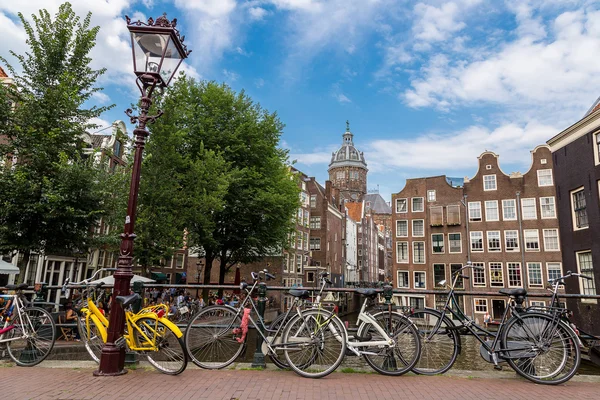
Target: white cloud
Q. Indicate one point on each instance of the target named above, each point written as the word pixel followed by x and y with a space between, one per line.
pixel 342 98
pixel 319 157
pixel 257 13
pixel 230 75
pixel 100 124
pixel 101 97
pixel 260 82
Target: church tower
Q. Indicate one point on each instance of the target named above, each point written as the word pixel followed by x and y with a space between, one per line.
pixel 348 169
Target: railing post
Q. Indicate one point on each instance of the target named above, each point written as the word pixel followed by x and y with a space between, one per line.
pixel 259 357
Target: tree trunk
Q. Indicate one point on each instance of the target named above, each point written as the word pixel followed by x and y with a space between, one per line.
pixel 207 269
pixel 23 267
pixel 222 272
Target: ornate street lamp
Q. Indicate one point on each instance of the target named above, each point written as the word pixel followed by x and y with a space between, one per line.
pixel 158 51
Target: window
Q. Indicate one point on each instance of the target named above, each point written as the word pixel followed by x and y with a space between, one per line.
pixel 474 211
pixel 489 182
pixel 305 241
pixel 315 222
pixel 419 252
pixel 491 211
pixel 299 238
pixel 416 303
pixel 496 274
pixel 548 207
pixel 402 252
pixel 528 209
pixel 419 279
pixel 286 261
pixel 532 239
pixel 431 195
pixel 537 303
pixel 454 243
pixel 479 274
pixel 511 240
pixel 459 282
pixel 437 216
pixel 476 241
pixel 418 228
pixel 310 276
pixel 401 205
pixel 578 205
pixel 588 286
pixel 453 214
pixel 315 243
pixel 101 256
pixel 437 241
pixel 417 204
pixel 545 177
pixel 360 252
pixel 403 279
pixel 554 270
pixel 299 264
pixel 439 274
pixel 534 274
pixel 313 201
pixel 340 175
pixel 117 149
pixel 551 240
pixel 481 306
pixel 509 210
pixel 514 274
pixel 402 228
pixel 494 240
pixel 179 261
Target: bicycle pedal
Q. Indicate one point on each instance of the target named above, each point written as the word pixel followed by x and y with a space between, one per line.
pixel 498 367
pixel 350 353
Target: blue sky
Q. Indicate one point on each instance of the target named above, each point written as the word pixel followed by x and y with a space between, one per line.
pixel 427 85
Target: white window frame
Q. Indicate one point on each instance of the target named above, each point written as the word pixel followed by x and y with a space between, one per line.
pixel 398 223
pixel 482 302
pixel 415 253
pixel 596 137
pixel 494 203
pixel 581 280
pixel 478 203
pixel 501 272
pixel 407 279
pixel 443 244
pixel 435 281
pixel 405 206
pixel 460 241
pixel 525 217
pixel 553 216
pixel 313 204
pixel 537 235
pixel 529 284
pixel 557 239
pixel 559 274
pixel 490 181
pixel 499 237
pixel 471 241
pixel 514 206
pixel 506 241
pixel 477 271
pixel 398 259
pixel 412 204
pixel 540 176
pixel 424 280
pixel 413 227
pixel 573 217
pixel 508 264
pixel 431 196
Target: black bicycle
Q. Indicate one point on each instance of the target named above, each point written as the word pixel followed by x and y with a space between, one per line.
pixel 539 346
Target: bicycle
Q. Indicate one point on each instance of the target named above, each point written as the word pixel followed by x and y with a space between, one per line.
pixel 28 332
pixel 147 332
pixel 587 342
pixel 537 345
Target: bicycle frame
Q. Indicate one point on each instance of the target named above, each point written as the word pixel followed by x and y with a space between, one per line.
pixel 366 317
pixel 17 312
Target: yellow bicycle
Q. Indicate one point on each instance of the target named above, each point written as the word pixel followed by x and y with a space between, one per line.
pixel 147 332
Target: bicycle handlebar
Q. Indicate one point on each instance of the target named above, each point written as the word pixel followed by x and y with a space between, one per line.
pixel 88 280
pixel 569 274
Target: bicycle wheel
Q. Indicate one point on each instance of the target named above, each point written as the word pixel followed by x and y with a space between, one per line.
pixel 315 343
pixel 211 337
pixel 170 357
pixel 541 348
pixel 400 358
pixel 91 338
pixel 35 333
pixel 278 358
pixel 439 348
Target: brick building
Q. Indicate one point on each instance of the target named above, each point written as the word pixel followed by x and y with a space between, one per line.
pixel 576 160
pixel 506 224
pixel 348 169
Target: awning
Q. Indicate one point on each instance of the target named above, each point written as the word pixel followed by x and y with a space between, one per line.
pixel 159 276
pixel 7 268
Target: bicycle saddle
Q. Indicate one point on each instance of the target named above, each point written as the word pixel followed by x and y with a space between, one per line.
pixel 514 292
pixel 303 294
pixel 127 300
pixel 371 293
pixel 17 287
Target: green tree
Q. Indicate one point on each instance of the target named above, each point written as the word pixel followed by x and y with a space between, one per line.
pixel 261 197
pixel 49 198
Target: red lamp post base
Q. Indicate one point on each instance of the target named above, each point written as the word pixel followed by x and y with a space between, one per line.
pixel 112 358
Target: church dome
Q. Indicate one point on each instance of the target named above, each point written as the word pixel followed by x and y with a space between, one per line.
pixel 347 155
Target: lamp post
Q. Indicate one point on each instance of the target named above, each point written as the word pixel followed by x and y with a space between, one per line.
pixel 158 50
pixel 199 268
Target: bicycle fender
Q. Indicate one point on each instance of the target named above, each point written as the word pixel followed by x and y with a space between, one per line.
pixel 101 328
pixel 96 312
pixel 171 326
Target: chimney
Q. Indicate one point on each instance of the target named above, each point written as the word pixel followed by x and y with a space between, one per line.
pixel 328 189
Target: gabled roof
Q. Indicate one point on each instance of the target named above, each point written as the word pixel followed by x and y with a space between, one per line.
pixel 594 107
pixel 98 139
pixel 354 210
pixel 378 204
pixel 2 73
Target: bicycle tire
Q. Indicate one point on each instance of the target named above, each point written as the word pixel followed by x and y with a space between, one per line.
pixel 92 340
pixel 314 349
pixel 170 357
pixel 397 360
pixel 278 359
pixel 209 337
pixel 440 349
pixel 37 332
pixel 544 350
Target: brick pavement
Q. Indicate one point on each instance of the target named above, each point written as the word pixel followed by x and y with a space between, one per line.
pixel 75 383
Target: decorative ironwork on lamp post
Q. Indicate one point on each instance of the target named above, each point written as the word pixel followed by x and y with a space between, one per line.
pixel 158 51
